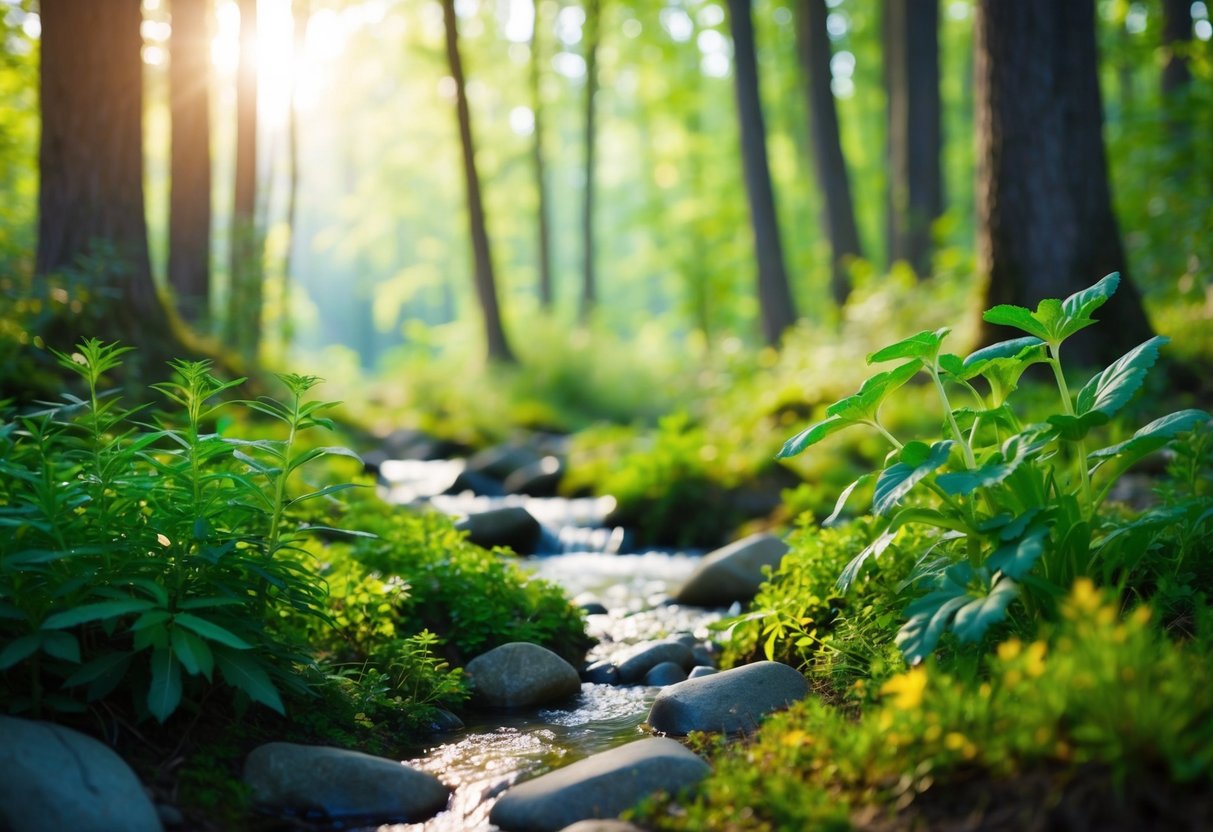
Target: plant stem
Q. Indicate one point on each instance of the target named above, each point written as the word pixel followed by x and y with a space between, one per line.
pixel 1068 405
pixel 893 439
pixel 966 449
pixel 280 485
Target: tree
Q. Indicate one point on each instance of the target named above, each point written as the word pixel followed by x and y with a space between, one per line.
pixel 915 188
pixel 189 232
pixel 1045 221
pixel 544 241
pixel 1176 38
pixel 839 214
pixel 245 291
pixel 593 14
pixel 300 12
pixel 486 285
pixel 91 158
pixel 774 297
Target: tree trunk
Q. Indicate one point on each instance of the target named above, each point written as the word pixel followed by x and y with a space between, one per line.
pixel 1176 32
pixel 544 242
pixel 189 226
pixel 486 286
pixel 301 11
pixel 244 293
pixel 774 297
pixel 1045 221
pixel 915 190
pixel 589 291
pixel 90 201
pixel 839 214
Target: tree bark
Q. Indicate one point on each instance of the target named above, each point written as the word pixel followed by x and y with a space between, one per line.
pixel 245 291
pixel 774 297
pixel 1045 221
pixel 90 164
pixel 1176 32
pixel 300 12
pixel 189 232
pixel 839 214
pixel 589 289
pixel 915 198
pixel 544 242
pixel 486 286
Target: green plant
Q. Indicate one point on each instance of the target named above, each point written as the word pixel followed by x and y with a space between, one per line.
pixel 146 552
pixel 1015 505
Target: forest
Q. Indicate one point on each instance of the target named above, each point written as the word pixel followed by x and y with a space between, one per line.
pixel 611 415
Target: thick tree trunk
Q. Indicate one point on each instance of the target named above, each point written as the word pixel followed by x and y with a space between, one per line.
pixel 189 225
pixel 589 289
pixel 245 291
pixel 1176 32
pixel 774 297
pixel 1045 221
pixel 301 11
pixel 544 242
pixel 91 159
pixel 915 198
pixel 839 214
pixel 486 286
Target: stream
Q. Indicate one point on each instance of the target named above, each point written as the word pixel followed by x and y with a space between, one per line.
pixel 587 559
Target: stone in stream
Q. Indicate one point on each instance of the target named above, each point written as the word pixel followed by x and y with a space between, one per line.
pixel 646 656
pixel 499 461
pixel 733 573
pixel 521 675
pixel 601 673
pixel 602 826
pixel 57 778
pixel 701 670
pixel 292 778
pixel 589 603
pixel 666 673
pixel 538 479
pixel 732 701
pixel 511 526
pixel 600 786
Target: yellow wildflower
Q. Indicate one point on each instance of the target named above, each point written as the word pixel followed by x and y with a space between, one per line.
pixel 1035 666
pixel 1009 649
pixel 906 689
pixel 1084 597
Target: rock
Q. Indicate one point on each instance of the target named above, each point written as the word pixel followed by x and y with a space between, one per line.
pixel 647 656
pixel 286 777
pixel 442 721
pixel 520 675
pixel 731 701
pixel 500 461
pixel 733 573
pixel 478 484
pixel 539 479
pixel 590 604
pixel 602 826
pixel 601 673
pixel 410 443
pixel 701 670
pixel 703 655
pixel 512 526
pixel 57 778
pixel 600 786
pixel 666 673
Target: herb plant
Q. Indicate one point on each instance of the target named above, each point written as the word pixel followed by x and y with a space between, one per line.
pixel 1015 504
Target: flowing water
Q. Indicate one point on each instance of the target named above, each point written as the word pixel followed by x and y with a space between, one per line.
pixel 495 750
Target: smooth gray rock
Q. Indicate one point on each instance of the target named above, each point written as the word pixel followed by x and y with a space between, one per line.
pixel 520 675
pixel 731 701
pixel 442 721
pixel 702 670
pixel 666 673
pixel 538 479
pixel 646 656
pixel 703 655
pixel 733 573
pixel 602 826
pixel 601 673
pixel 511 526
pixel 52 777
pixel 600 786
pixel 500 461
pixel 590 603
pixel 287 777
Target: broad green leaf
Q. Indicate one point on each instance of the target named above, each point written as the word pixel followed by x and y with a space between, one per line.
pixel 329 489
pixel 863 404
pixel 874 549
pixel 1018 317
pixel 207 603
pixel 1110 390
pixel 928 619
pixel 1014 348
pixel 844 496
pixel 1017 557
pixel 103 665
pixel 1082 304
pixel 928 517
pixel 193 653
pixel 812 435
pixel 979 614
pixel 897 480
pixel 316 453
pixel 19 649
pixel 61 645
pixel 1004 463
pixel 1154 435
pixel 164 692
pixel 923 346
pixel 95 612
pixel 1075 428
pixel 244 672
pixel 211 631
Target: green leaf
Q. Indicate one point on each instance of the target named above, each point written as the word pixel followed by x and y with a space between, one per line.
pixel 874 549
pixel 329 489
pixel 923 346
pixel 1082 304
pixel 812 435
pixel 863 404
pixel 331 530
pixel 164 692
pixel 211 631
pixel 928 619
pixel 193 653
pixel 1014 348
pixel 1154 435
pixel 1110 390
pixel 979 614
pixel 1018 317
pixel 61 645
pixel 19 649
pixel 1017 557
pixel 897 480
pixel 1075 428
pixel 1004 463
pixel 95 612
pixel 244 672
pixel 104 665
pixel 844 496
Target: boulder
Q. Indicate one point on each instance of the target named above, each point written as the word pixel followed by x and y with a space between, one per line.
pixel 500 461
pixel 701 670
pixel 601 673
pixel 521 675
pixel 539 479
pixel 442 721
pixel 511 526
pixel 732 701
pixel 286 777
pixel 600 786
pixel 57 778
pixel 666 673
pixel 602 826
pixel 733 573
pixel 640 660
